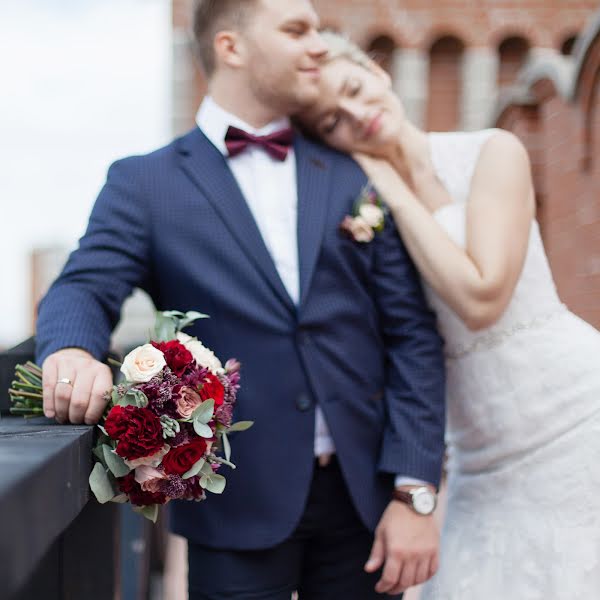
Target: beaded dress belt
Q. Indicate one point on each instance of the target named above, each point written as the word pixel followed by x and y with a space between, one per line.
pixel 495 338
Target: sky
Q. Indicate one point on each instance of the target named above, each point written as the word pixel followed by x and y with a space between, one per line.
pixel 84 82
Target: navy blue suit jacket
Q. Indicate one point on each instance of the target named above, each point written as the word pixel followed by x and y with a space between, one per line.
pixel 362 343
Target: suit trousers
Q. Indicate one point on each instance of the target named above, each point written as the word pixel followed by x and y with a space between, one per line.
pixel 323 559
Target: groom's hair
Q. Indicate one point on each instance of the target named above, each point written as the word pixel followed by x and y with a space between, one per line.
pixel 212 16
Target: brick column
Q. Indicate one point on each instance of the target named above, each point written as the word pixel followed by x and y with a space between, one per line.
pixel 479 87
pixel 410 69
pixel 184 82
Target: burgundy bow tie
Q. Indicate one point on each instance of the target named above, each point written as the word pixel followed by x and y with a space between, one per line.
pixel 276 144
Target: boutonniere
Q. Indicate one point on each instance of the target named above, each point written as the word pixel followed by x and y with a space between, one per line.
pixel 368 216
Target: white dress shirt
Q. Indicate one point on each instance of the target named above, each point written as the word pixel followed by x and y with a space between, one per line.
pixel 270 189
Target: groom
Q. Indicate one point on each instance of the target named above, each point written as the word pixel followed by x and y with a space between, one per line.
pixel 342 367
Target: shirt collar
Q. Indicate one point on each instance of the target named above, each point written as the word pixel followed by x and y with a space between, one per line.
pixel 215 120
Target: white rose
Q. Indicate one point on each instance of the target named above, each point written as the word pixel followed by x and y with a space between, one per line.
pixel 143 363
pixel 204 356
pixel 372 214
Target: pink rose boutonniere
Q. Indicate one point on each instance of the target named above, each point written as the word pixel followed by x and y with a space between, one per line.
pixel 368 216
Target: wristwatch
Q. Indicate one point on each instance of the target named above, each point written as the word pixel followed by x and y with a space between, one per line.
pixel 422 500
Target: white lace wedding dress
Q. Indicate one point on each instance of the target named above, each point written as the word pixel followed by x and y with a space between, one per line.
pixel 523 434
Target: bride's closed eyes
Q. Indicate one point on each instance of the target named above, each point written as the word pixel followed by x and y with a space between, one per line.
pixel 350 88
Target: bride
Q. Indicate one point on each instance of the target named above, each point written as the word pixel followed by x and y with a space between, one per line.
pixel 523 432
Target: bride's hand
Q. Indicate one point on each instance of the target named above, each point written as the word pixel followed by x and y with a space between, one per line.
pixel 383 176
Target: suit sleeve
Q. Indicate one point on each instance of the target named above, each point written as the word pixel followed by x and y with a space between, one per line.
pixel 413 444
pixel 83 305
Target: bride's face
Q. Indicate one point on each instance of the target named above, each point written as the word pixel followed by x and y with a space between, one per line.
pixel 357 110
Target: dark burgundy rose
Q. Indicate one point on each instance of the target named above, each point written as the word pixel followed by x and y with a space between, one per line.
pixel 212 388
pixel 178 357
pixel 138 431
pixel 128 485
pixel 181 459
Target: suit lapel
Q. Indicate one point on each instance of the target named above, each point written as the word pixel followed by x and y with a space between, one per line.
pixel 207 167
pixel 314 174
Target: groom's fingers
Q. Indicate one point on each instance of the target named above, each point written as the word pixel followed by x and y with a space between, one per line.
pixel 390 575
pixel 102 384
pixel 423 570
pixel 408 575
pixel 49 378
pixel 377 555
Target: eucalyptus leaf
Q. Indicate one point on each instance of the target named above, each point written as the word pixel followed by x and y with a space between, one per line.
pixel 114 462
pixel 226 446
pixel 204 412
pixel 103 430
pixel 202 429
pixel 240 426
pixel 150 512
pixel 120 499
pixel 100 484
pixel 190 317
pixel 216 484
pixel 195 469
pixel 164 328
pixel 204 481
pixel 172 313
pixel 207 470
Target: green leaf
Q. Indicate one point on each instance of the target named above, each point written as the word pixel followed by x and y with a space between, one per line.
pixel 189 318
pixel 195 469
pixel 114 462
pixel 206 469
pixel 202 429
pixel 100 484
pixel 171 313
pixel 120 499
pixel 103 430
pixel 204 412
pixel 226 446
pixel 216 484
pixel 204 481
pixel 135 398
pixel 240 426
pixel 150 512
pixel 164 327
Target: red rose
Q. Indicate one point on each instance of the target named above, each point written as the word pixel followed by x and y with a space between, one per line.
pixel 128 485
pixel 181 459
pixel 178 357
pixel 212 388
pixel 138 431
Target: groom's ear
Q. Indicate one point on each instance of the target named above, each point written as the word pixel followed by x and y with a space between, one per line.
pixel 228 48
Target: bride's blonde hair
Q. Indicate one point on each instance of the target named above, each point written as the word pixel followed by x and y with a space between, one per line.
pixel 340 46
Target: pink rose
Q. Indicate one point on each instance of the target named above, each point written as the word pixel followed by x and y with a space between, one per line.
pixel 149 478
pixel 187 402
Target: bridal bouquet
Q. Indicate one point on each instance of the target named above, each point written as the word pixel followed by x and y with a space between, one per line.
pixel 163 435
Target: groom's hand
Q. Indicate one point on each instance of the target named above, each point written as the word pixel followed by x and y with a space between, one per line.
pixel 74 384
pixel 406 546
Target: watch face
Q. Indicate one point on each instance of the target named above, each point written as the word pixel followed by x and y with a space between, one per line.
pixel 424 502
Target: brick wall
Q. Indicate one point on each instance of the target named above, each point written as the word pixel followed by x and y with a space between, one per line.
pixel 556 115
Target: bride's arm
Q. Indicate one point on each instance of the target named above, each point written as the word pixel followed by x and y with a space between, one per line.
pixel 476 282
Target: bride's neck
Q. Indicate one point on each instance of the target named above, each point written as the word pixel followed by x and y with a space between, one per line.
pixel 410 154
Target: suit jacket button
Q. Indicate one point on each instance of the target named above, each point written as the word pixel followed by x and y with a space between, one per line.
pixel 303 402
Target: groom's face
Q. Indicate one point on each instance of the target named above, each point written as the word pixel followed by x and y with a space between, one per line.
pixel 282 49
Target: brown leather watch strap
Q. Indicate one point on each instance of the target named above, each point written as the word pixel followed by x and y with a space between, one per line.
pixel 402 496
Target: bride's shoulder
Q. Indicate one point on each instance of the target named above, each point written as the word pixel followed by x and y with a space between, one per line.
pixel 501 145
